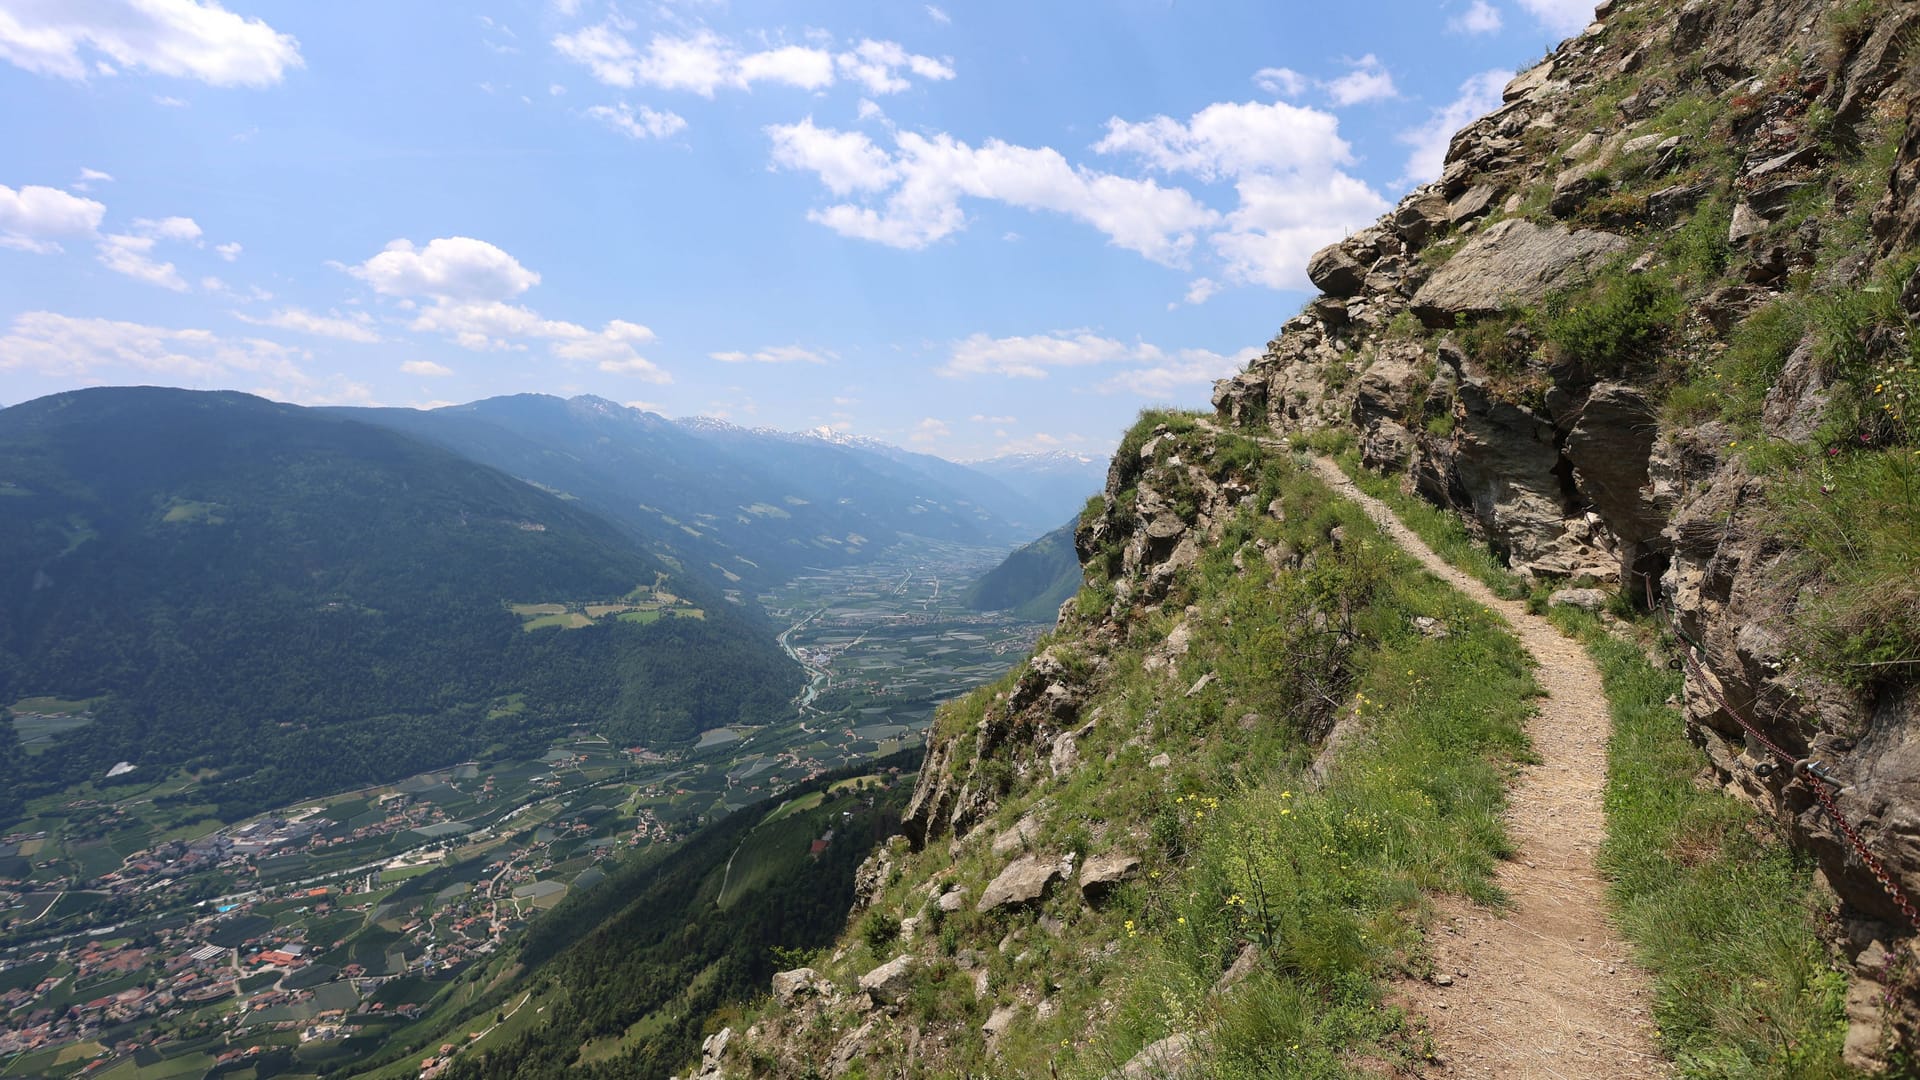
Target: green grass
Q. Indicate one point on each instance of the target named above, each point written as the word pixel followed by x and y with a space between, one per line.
pixel 1442 530
pixel 796 806
pixel 1328 883
pixel 1238 845
pixel 1718 907
pixel 1615 324
pixel 37 733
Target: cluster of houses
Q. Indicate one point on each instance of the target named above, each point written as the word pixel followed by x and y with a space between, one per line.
pixel 187 976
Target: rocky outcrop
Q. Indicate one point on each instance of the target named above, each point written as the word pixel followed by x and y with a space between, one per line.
pixel 1561 455
pixel 1512 264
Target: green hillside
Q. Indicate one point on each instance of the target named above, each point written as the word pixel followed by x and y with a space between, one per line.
pixel 306 603
pixel 630 973
pixel 1034 581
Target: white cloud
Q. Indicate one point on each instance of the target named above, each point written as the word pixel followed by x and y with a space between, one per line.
pixel 1479 18
pixel 490 324
pixel 643 123
pixel 457 268
pixel 133 256
pixel 982 418
pixel 568 8
pixel 1368 80
pixel 1186 373
pixel 229 252
pixel 90 177
pixel 35 218
pixel 1200 290
pixel 929 175
pixel 1284 82
pixel 1229 139
pixel 703 62
pixel 356 327
pixel 103 349
pixel 778 354
pixel 938 15
pixel 877 65
pixel 808 69
pixel 845 161
pixel 426 369
pixel 1032 357
pixel 183 229
pixel 1561 16
pixel 1285 161
pixel 1478 96
pixel 166 101
pixel 183 38
pixel 1283 219
pixel 869 110
pixel 612 351
pixel 555 90
pixel 930 430
pixel 469 283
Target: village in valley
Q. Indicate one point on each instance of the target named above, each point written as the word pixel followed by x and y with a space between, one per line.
pixel 141 937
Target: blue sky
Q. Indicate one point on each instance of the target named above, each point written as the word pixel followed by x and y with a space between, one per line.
pixel 968 228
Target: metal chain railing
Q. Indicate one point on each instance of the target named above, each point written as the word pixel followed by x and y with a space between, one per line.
pixel 1812 772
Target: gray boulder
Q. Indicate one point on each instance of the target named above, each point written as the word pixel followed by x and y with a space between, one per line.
pixel 792 987
pixel 890 982
pixel 1334 271
pixel 1170 1057
pixel 1102 872
pixel 1514 262
pixel 1024 881
pixel 1588 599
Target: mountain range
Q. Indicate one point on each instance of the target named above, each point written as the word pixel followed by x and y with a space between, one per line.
pixel 747 507
pixel 309 599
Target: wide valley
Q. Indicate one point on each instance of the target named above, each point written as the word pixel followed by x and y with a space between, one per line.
pixel 317 931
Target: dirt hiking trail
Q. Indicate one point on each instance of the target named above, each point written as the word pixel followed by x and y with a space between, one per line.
pixel 1546 988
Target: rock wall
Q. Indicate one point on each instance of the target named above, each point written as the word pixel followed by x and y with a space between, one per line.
pixel 1428 343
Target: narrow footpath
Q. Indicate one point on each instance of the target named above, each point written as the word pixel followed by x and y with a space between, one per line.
pixel 1546 988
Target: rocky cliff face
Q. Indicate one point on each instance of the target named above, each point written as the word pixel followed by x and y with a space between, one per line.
pixel 1546 340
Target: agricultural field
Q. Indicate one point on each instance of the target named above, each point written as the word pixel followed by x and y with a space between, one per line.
pixel 645 604
pixel 38 721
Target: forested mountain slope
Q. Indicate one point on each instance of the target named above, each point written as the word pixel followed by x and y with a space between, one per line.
pixel 305 602
pixel 1033 581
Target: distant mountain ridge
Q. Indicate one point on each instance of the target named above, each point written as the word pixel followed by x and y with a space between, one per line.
pixel 307 602
pixel 1062 480
pixel 746 508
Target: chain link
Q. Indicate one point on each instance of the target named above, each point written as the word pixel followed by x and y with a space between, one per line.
pixel 1805 770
